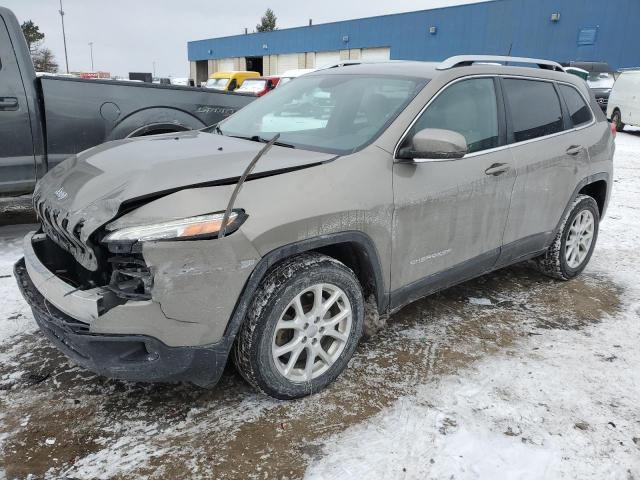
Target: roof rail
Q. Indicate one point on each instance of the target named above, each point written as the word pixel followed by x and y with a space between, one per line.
pixel 466 60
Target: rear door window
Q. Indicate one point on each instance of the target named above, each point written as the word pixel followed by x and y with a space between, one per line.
pixel 535 108
pixel 578 109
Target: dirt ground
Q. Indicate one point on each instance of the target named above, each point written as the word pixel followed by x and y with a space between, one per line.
pixel 58 414
pixel 546 371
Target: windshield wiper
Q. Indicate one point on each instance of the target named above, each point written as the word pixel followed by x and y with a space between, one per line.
pixel 258 138
pixel 215 128
pixel 253 138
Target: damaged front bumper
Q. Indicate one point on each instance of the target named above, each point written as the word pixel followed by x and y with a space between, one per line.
pixel 64 315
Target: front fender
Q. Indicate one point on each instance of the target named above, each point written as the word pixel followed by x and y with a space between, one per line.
pixel 353 237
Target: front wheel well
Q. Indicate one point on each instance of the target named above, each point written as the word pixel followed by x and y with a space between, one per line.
pixel 354 256
pixel 598 191
pixel 157 129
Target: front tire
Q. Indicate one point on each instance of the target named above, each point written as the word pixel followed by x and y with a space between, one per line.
pixel 573 245
pixel 302 327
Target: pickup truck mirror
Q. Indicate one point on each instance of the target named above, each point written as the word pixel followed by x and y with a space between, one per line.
pixel 434 143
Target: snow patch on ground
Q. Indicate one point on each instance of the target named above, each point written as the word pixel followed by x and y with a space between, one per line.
pixel 560 405
pixel 15 317
pixel 121 457
pixel 480 301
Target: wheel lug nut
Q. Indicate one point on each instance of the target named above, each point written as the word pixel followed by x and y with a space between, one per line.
pixel 306 325
pixel 314 341
pixel 321 329
pixel 304 339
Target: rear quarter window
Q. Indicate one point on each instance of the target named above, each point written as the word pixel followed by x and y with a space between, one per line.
pixel 578 110
pixel 535 108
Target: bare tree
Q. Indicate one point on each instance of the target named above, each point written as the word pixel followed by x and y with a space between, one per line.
pixel 45 61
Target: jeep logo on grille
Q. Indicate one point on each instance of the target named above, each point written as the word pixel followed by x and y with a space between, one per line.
pixel 61 194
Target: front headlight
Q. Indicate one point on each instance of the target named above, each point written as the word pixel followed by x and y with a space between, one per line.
pixel 183 229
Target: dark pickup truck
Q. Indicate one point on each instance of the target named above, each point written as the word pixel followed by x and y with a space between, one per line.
pixel 44 120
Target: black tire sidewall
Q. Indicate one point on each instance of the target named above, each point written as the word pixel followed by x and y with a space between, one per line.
pixel 586 204
pixel 267 375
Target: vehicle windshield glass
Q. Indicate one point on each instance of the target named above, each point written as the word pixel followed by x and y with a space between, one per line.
pixel 217 83
pixel 336 113
pixel 600 80
pixel 252 86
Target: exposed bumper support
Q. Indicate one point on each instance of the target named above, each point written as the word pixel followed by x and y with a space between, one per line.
pixel 128 357
pixel 82 305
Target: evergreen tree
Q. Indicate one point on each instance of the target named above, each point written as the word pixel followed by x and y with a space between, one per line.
pixel 267 22
pixel 33 35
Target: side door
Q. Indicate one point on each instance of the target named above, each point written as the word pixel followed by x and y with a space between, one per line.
pixel 17 161
pixel 624 87
pixel 633 91
pixel 548 158
pixel 450 215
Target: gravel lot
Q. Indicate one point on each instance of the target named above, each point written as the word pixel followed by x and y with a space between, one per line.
pixel 512 375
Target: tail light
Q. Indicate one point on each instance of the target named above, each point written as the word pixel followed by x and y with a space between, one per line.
pixel 614 130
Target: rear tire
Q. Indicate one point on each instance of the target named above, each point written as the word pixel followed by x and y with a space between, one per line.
pixel 616 119
pixel 573 245
pixel 302 327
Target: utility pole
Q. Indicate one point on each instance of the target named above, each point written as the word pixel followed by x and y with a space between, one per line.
pixel 91 47
pixel 64 37
pixel 154 69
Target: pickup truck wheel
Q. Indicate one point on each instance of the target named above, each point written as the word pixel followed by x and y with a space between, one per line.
pixel 616 119
pixel 302 327
pixel 573 245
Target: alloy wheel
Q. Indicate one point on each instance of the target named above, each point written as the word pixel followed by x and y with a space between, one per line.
pixel 312 332
pixel 579 238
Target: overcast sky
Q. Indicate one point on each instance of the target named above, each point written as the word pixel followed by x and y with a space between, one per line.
pixel 129 35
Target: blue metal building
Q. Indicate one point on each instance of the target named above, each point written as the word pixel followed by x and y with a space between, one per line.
pixel 561 30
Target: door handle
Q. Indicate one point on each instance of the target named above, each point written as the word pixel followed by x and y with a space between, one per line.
pixel 574 150
pixel 8 103
pixel 497 169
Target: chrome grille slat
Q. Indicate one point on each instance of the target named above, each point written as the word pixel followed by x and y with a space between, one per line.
pixel 66 234
pixel 52 220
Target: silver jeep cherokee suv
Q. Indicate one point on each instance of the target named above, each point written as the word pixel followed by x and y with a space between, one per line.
pixel 159 256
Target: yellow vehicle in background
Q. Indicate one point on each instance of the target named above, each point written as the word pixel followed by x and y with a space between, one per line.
pixel 229 81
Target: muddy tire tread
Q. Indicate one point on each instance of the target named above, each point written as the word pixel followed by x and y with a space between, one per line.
pixel 272 283
pixel 551 263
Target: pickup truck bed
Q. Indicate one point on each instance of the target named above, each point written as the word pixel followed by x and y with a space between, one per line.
pixel 44 120
pixel 82 113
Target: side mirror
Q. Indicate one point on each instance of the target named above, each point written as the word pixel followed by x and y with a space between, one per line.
pixel 436 144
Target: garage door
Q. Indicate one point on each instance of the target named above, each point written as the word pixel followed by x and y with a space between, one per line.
pixel 324 59
pixel 226 65
pixel 375 54
pixel 287 62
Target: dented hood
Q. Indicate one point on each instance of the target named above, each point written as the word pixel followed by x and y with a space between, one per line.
pixel 90 187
